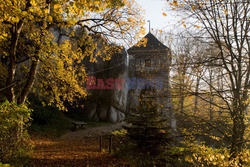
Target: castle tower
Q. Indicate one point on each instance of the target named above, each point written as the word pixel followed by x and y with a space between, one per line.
pixel 149 62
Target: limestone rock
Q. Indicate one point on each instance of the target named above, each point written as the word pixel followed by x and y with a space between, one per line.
pixel 120 116
pixel 103 113
pixel 92 111
pixel 95 117
pixel 112 115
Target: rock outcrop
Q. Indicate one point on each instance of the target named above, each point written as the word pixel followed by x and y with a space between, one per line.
pixel 108 104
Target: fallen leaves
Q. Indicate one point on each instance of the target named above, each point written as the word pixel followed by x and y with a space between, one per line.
pixel 48 152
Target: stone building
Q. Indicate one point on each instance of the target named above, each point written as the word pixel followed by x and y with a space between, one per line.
pixel 149 62
pixel 144 70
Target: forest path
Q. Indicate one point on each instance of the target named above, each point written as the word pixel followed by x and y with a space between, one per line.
pixel 76 149
pixel 92 131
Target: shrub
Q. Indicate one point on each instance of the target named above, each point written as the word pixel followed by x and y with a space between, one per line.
pixel 14 147
pixel 47 120
pixel 4 165
pixel 201 155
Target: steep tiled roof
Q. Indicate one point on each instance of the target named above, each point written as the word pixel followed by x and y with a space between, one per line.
pixel 149 42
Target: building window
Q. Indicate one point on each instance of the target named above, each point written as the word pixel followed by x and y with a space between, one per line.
pixel 148 62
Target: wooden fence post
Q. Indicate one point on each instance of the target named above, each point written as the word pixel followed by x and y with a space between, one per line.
pixel 100 143
pixel 110 144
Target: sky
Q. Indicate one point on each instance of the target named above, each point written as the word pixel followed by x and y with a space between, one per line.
pixel 154 12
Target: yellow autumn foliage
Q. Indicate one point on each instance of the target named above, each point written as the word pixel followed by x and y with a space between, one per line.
pixel 27 31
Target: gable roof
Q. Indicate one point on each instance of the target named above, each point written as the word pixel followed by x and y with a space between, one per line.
pixel 149 42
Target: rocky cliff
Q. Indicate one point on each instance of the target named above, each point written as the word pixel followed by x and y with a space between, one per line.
pixel 108 93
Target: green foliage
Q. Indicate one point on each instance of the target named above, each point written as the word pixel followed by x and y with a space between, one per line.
pixel 148 133
pixel 148 130
pixel 14 147
pixel 47 120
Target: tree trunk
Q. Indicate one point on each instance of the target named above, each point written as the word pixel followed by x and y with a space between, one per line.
pixel 29 82
pixel 211 94
pixel 10 79
pixel 238 126
pixel 181 103
pixel 237 136
pixel 196 91
pixel 10 94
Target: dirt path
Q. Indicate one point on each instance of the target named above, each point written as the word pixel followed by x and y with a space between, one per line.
pixel 66 153
pixel 76 149
pixel 92 131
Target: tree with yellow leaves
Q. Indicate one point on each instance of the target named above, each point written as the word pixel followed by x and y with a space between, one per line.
pixel 30 50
